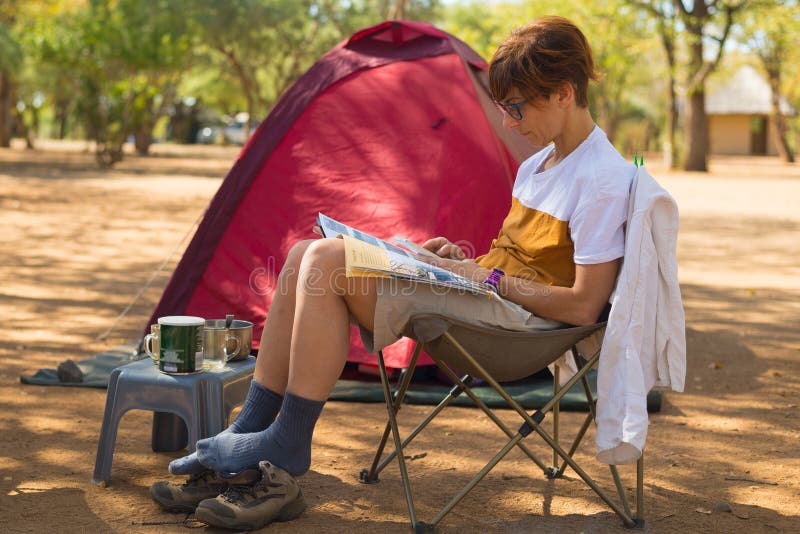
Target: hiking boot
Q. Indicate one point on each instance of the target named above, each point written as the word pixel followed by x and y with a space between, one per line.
pixel 175 497
pixel 275 497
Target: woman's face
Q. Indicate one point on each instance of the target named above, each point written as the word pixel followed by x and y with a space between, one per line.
pixel 542 120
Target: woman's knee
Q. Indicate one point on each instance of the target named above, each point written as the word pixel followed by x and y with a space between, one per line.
pixel 291 267
pixel 323 265
pixel 325 254
pixel 296 253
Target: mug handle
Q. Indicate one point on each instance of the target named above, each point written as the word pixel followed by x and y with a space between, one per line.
pixel 231 355
pixel 147 347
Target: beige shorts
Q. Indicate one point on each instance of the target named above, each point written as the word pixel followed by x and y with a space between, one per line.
pixel 398 301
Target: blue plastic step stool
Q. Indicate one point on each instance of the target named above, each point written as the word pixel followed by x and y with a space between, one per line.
pixel 202 401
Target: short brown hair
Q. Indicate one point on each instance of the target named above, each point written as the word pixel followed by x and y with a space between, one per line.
pixel 538 58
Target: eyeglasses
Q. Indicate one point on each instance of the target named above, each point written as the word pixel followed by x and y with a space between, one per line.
pixel 513 110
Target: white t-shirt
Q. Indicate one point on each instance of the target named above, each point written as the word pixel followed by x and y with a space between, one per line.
pixel 572 213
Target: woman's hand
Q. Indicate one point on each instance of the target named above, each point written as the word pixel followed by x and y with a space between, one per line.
pixel 442 247
pixel 466 268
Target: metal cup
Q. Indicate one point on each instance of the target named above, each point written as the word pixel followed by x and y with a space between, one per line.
pixel 152 342
pixel 225 341
pixel 219 347
pixel 243 330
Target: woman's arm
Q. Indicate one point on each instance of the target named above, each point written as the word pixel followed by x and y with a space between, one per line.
pixel 578 305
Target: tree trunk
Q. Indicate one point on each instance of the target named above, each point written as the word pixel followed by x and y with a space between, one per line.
pixel 62 113
pixel 613 126
pixel 666 29
pixel 143 122
pixel 696 138
pixel 6 116
pixel 672 124
pixel 667 26
pixel 778 121
pixel 398 11
pixel 696 132
pixel 23 129
pixel 700 67
pixel 143 138
pixel 249 86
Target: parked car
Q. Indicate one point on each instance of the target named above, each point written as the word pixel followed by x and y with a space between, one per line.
pixel 234 133
pixel 208 135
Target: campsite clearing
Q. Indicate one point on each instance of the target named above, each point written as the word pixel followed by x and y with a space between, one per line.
pixel 79 244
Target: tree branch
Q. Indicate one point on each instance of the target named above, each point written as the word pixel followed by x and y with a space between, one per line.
pixel 648 7
pixel 710 66
pixel 679 7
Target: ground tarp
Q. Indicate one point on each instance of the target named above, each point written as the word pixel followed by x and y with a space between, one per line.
pixel 531 393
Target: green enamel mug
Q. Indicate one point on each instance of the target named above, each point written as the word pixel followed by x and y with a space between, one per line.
pixel 180 344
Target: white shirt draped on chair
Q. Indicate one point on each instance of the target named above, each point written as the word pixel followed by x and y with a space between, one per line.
pixel 645 340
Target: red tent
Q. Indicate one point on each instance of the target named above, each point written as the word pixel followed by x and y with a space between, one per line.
pixel 393 132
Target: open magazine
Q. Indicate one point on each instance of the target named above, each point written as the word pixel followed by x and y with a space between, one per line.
pixel 366 255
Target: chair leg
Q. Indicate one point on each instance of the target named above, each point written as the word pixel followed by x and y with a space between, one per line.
pixel 390 409
pixel 532 424
pixel 455 391
pixel 370 476
pixel 590 401
pixel 490 414
pixel 477 478
pixel 620 490
pixel 638 521
pixel 575 443
pixel 640 492
pixel 556 411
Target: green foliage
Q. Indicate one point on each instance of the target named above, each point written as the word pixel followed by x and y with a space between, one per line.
pixel 10 50
pixel 119 59
pixel 261 47
pixel 625 50
pixel 110 69
pixel 771 32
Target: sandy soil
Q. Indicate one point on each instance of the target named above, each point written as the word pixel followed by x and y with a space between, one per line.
pixel 79 243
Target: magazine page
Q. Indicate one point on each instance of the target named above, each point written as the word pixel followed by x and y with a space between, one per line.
pixel 333 228
pixel 366 259
pixel 413 247
pixel 367 255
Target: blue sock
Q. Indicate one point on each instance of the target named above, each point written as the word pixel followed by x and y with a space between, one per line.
pixel 286 443
pixel 259 410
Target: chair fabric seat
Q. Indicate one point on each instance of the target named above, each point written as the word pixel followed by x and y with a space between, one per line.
pixel 506 355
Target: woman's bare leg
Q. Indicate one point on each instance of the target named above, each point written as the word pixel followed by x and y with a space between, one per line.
pixel 266 392
pixel 272 365
pixel 320 337
pixel 321 332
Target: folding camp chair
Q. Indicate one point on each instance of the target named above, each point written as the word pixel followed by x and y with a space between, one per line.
pixel 494 356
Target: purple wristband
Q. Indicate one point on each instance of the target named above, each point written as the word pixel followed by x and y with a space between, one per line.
pixel 493 280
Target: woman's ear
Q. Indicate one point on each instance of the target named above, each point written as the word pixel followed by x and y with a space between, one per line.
pixel 566 94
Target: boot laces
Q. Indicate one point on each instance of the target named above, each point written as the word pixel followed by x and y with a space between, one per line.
pixel 197 478
pixel 239 492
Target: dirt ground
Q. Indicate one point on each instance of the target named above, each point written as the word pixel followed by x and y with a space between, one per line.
pixel 78 244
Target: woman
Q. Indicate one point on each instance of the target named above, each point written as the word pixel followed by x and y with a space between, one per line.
pixel 554 261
